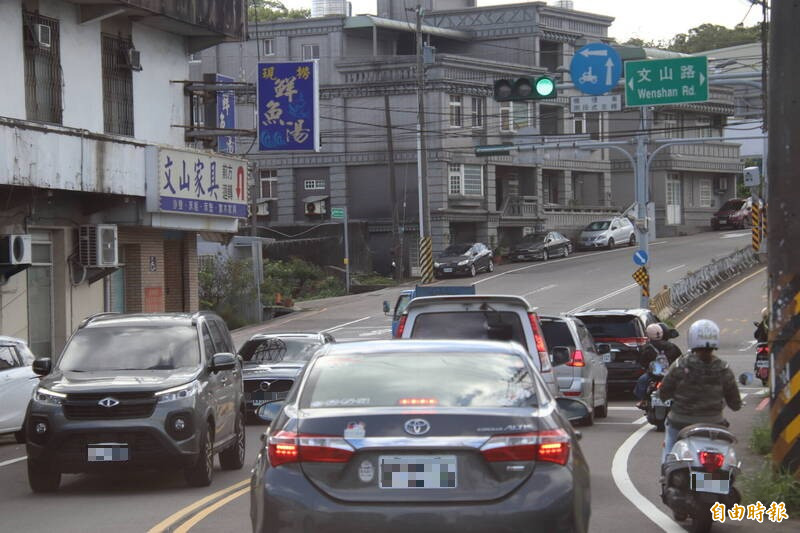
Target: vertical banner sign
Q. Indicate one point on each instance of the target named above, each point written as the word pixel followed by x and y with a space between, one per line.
pixel 226 116
pixel 288 106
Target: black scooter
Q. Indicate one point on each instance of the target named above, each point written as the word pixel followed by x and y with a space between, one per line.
pixel 656 409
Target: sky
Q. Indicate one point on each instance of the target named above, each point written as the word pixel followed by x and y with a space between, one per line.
pixel 656 20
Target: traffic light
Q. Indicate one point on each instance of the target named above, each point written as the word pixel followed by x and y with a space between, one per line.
pixel 527 88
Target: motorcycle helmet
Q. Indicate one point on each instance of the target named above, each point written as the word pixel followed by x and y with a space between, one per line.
pixel 764 313
pixel 703 334
pixel 655 332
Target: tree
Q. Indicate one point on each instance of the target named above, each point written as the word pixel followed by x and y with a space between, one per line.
pixel 712 36
pixel 266 10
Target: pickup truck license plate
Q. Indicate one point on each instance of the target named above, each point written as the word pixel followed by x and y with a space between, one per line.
pixel 418 471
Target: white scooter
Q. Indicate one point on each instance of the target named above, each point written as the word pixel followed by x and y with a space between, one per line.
pixel 699 472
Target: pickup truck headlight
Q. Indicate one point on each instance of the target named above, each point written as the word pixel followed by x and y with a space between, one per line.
pixel 48 397
pixel 179 393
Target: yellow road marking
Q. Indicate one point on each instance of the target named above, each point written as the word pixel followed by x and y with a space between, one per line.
pixel 176 516
pixel 690 315
pixel 189 524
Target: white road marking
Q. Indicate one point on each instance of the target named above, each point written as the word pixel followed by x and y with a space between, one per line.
pixel 673 269
pixel 718 295
pixel 734 235
pixel 750 346
pixel 607 296
pixel 340 326
pixel 12 461
pixel 540 289
pixel 619 471
pixel 375 332
pixel 640 420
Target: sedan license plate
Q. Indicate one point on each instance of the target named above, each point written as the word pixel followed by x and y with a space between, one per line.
pixel 606 357
pixel 418 471
pixel 107 452
pixel 714 482
pixel 448 269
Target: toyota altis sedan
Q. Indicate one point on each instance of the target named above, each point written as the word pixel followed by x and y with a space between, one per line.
pixel 445 436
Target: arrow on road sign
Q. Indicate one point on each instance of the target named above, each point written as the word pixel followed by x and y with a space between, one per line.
pixel 587 53
pixel 609 69
pixel 702 79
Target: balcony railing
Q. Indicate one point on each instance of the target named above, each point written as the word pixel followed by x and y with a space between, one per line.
pixel 520 207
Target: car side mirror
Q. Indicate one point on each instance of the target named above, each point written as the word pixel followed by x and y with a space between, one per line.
pixel 223 361
pixel 386 308
pixel 42 366
pixel 559 355
pixel 574 410
pixel 269 411
pixel 603 348
pixel 614 228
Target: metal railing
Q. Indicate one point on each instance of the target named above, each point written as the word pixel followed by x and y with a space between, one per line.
pixel 520 206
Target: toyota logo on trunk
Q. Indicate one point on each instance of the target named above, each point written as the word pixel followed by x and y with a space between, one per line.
pixel 417 426
pixel 108 402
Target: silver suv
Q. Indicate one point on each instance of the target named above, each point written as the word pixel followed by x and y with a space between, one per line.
pixel 138 391
pixel 617 231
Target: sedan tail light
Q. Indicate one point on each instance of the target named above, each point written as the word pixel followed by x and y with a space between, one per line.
pixel 711 461
pixel 577 359
pixel 550 445
pixel 401 326
pixel 288 447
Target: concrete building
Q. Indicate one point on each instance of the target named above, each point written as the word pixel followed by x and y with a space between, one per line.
pixel 102 201
pixel 363 59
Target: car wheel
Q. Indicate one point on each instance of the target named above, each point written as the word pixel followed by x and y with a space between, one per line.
pixel 545 255
pixel 589 419
pixel 472 270
pixel 41 477
pixel 232 458
pixel 490 268
pixel 632 240
pixel 610 242
pixel 566 251
pixel 201 473
pixel 602 411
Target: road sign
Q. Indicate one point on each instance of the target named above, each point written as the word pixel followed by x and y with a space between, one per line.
pixel 337 212
pixel 589 104
pixel 595 68
pixel 640 257
pixel 752 176
pixel 666 81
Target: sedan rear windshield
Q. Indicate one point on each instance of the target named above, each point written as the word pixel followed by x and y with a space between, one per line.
pixel 469 325
pixel 732 205
pixel 613 327
pixel 598 226
pixel 534 237
pixel 110 348
pixel 556 333
pixel 428 379
pixel 275 350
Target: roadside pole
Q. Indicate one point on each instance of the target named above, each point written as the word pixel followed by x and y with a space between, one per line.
pixel 642 224
pixel 341 213
pixel 425 244
pixel 784 219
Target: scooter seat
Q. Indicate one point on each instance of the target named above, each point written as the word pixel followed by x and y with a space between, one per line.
pixel 708 431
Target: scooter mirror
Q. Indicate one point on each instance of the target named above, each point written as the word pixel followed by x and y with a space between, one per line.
pixel 746 378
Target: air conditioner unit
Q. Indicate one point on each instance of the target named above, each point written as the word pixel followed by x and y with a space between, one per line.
pixel 97 246
pixel 15 250
pixel 133 59
pixel 316 208
pixel 44 36
pixel 263 209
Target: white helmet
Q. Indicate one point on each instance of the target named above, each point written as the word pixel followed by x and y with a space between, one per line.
pixel 703 334
pixel 765 313
pixel 655 332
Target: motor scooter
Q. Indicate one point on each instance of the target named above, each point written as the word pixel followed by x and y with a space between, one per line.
pixel 655 408
pixel 761 368
pixel 699 472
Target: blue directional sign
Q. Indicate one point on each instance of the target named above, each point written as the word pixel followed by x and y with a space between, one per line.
pixel 595 68
pixel 640 257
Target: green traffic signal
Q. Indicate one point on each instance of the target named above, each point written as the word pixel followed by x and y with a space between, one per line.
pixel 527 88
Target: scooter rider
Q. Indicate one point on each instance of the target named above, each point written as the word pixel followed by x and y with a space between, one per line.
pixel 657 334
pixel 699 385
pixel 761 333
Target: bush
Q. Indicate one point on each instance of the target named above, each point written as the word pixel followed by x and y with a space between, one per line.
pixel 297 280
pixel 226 284
pixel 767 486
pixel 761 438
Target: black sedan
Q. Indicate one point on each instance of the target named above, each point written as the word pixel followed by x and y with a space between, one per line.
pixel 271 362
pixel 541 246
pixel 464 259
pixel 445 436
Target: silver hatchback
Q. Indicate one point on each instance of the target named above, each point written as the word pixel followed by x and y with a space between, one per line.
pixel 617 231
pixel 584 376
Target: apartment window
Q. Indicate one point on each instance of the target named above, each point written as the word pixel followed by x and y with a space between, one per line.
pixel 456 102
pixel 550 120
pixel 505 116
pixel 198 110
pixel 550 53
pixel 310 51
pixel 314 185
pixel 269 183
pixel 42 58
pixel 670 125
pixel 477 111
pixel 269 47
pixel 580 124
pixel 705 193
pixel 117 86
pixel 465 180
pixel 522 115
pixel 196 57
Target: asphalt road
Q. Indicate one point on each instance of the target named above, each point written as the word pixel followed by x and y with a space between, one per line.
pixel 134 503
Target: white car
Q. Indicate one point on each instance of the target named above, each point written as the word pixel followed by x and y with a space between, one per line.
pixel 17 381
pixel 617 231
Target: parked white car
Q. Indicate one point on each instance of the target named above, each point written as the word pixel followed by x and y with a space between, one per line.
pixel 618 231
pixel 17 381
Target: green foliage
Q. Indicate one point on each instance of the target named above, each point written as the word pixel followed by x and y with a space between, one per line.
pixel 372 279
pixel 767 486
pixel 711 36
pixel 268 10
pixel 761 438
pixel 298 280
pixel 223 284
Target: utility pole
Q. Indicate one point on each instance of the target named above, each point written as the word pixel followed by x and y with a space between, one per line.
pixel 396 236
pixel 784 222
pixel 642 188
pixel 425 245
pixel 255 183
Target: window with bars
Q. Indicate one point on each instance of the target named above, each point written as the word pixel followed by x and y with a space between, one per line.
pixel 477 111
pixel 117 86
pixel 455 179
pixel 269 47
pixel 42 56
pixel 505 116
pixel 466 180
pixel 705 193
pixel 269 184
pixel 455 110
pixel 314 185
pixel 310 51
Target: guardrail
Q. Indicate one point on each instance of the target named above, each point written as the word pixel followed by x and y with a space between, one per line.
pixel 695 284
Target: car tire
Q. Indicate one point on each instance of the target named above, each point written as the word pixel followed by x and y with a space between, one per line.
pixel 632 240
pixel 566 251
pixel 602 411
pixel 232 458
pixel 490 268
pixel 41 477
pixel 589 419
pixel 202 472
pixel 545 255
pixel 610 243
pixel 472 271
